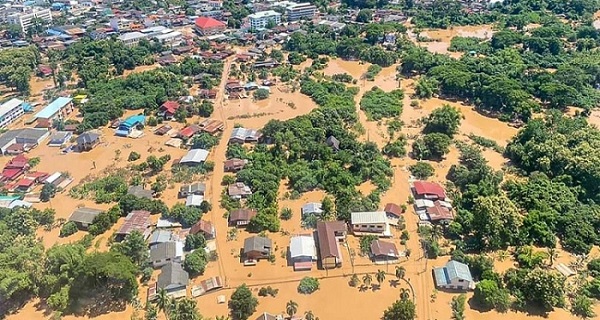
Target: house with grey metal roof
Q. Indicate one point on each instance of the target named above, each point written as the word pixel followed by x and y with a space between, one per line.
pixel 194 200
pixel 194 157
pixel 140 192
pixel 165 252
pixel 29 137
pixel 173 279
pixel 374 222
pixel 160 236
pixel 454 275
pixel 243 135
pixel 83 217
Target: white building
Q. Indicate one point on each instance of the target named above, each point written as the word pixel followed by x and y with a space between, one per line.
pixel 132 38
pixel 299 11
pixel 370 222
pixel 303 252
pixel 261 19
pixel 10 111
pixel 25 19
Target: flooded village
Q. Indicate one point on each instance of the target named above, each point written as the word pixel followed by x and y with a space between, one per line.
pixel 192 154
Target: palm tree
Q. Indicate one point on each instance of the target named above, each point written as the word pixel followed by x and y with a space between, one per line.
pixel 222 318
pixel 162 300
pixel 291 308
pixel 367 278
pixel 552 254
pixel 436 232
pixel 380 276
pixel 400 272
pixel 171 311
pixel 354 280
pixel 502 255
pixel 404 294
pixel 308 315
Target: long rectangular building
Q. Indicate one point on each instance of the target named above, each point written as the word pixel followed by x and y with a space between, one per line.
pixel 298 11
pixel 10 111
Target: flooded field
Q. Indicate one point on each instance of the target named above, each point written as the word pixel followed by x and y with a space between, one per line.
pixel 440 38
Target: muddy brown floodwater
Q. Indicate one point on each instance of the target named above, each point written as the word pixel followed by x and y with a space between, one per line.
pixel 336 299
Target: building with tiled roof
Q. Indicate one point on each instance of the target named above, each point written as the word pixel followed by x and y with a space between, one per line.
pixel 207 26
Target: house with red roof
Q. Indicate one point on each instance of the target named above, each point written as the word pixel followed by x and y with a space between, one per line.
pixel 25 185
pixel 428 190
pixel 188 132
pixel 14 168
pixel 167 110
pixel 206 26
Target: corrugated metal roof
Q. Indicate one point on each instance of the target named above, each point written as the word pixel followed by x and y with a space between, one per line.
pixel 303 246
pixel 368 217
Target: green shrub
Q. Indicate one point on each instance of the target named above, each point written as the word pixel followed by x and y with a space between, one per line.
pixel 308 285
pixel 68 229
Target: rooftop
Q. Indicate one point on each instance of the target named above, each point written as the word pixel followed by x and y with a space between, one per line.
pixel 452 270
pixel 137 220
pixel 53 107
pixel 171 276
pixel 264 14
pixel 429 188
pixel 368 217
pixel 195 156
pixel 84 215
pixel 303 246
pixel 207 22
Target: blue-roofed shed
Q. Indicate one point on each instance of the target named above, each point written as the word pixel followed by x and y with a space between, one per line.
pixel 455 275
pixel 56 109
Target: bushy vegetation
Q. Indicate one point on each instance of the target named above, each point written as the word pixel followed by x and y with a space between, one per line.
pixel 308 285
pixel 378 104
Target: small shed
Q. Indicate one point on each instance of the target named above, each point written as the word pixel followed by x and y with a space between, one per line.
pixel 207 285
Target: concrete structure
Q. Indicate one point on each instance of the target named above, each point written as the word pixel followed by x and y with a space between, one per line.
pixel 207 26
pixel 329 236
pixel 297 11
pixel 173 279
pixel 57 109
pixel 370 222
pixel 311 208
pixel 455 275
pixel 260 20
pixel 302 252
pixel 26 19
pixel 83 217
pixel 10 111
pixel 132 38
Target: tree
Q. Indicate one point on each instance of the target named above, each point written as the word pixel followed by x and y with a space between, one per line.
pixel 242 303
pixel 134 247
pixel 291 308
pixel 367 279
pixel 308 285
pixel 444 120
pixel 403 309
pixel 264 220
pixel 496 221
pixel 364 15
pixel 489 296
pixel 286 214
pixel 133 156
pixel 194 241
pixel 380 276
pixel 151 312
pixel 185 309
pixel 354 280
pixel 206 109
pixel 432 146
pixel 195 262
pixel 68 229
pixel 421 170
pixel 583 307
pixel 458 307
pixel 308 315
pixel 400 272
pixel 162 300
pixel 48 192
pixel 261 94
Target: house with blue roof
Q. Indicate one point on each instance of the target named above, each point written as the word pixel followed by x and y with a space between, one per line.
pixel 454 275
pixel 126 127
pixel 57 109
